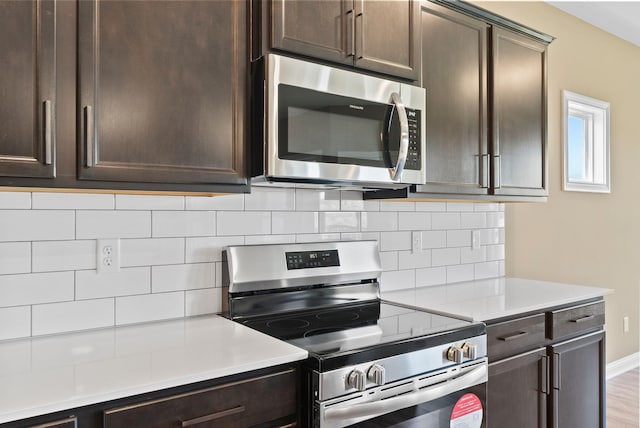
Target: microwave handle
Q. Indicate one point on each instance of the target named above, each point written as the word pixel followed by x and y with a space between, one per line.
pixel 396 172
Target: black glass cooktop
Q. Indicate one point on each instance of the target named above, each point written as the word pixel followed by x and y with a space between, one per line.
pixel 372 328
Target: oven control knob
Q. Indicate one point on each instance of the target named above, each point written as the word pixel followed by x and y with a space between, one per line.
pixel 376 374
pixel 470 351
pixel 455 354
pixel 357 379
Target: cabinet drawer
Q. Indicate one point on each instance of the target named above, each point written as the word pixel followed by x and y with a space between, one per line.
pixel 574 320
pixel 238 404
pixel 512 337
pixel 70 422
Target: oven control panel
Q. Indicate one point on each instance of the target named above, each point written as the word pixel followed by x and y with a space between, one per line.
pixel 312 259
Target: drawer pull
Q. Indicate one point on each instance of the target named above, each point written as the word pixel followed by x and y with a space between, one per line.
pixel 583 319
pixel 212 416
pixel 514 336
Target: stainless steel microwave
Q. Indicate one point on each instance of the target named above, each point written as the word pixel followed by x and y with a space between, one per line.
pixel 325 125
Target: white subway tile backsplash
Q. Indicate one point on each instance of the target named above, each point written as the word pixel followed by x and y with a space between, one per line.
pixel 409 260
pixel 49 256
pixel 183 223
pixel 317 200
pixel 182 277
pixel 200 250
pixel 149 307
pixel 126 282
pixel 378 221
pixel 458 238
pixel 339 221
pixel 15 322
pixel 294 222
pixel 393 241
pixel 215 203
pixel 113 224
pixel 201 302
pixel 243 223
pixel 459 273
pixel 431 276
pixel 445 257
pixel 32 225
pixel 149 202
pixel 70 316
pixel 398 280
pixel 473 220
pixel 34 288
pixel 15 200
pixel 148 252
pixel 268 199
pixel 440 221
pixel 15 257
pixel 72 201
pixel 414 221
pixel 171 249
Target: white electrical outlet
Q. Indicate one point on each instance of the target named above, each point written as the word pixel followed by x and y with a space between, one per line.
pixel 416 242
pixel 475 239
pixel 625 324
pixel 108 255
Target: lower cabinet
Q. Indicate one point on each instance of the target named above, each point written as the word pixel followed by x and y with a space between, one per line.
pixel 554 379
pixel 70 422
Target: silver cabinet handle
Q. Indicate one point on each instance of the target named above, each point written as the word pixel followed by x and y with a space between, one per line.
pixel 88 137
pixel 407 400
pixel 396 172
pixel 484 174
pixel 47 132
pixel 350 33
pixel 497 171
pixel 514 336
pixel 583 319
pixel 359 35
pixel 212 416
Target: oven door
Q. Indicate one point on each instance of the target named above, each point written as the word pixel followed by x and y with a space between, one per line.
pixel 452 398
pixel 331 125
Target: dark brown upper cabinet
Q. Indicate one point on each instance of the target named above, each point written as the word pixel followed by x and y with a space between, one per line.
pixel 454 73
pixel 162 91
pixel 519 131
pixel 380 36
pixel 27 88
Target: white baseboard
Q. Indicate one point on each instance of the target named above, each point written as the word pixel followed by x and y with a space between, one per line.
pixel 622 365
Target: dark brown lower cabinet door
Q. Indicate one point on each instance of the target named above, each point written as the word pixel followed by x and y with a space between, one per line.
pixel 162 91
pixel 517 391
pixel 27 88
pixel 578 373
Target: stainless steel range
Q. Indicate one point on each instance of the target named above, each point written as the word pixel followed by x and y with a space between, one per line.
pixel 371 363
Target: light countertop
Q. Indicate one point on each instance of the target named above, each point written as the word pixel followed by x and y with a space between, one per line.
pixel 489 299
pixel 47 374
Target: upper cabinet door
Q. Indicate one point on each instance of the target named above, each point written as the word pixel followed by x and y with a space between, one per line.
pixel 386 36
pixel 27 88
pixel 320 29
pixel 519 114
pixel 454 69
pixel 162 91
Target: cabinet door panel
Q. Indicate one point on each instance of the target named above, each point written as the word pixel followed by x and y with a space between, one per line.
pixel 519 114
pixel 314 28
pixel 517 391
pixel 386 35
pixel 454 75
pixel 162 91
pixel 27 91
pixel 578 373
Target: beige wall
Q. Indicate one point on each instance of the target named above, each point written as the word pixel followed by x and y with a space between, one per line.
pixel 585 238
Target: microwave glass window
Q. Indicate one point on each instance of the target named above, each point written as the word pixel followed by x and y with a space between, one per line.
pixel 321 127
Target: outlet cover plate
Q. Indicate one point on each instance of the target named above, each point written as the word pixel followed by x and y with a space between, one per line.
pixel 108 255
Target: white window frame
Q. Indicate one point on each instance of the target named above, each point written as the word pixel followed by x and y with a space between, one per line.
pixel 595 114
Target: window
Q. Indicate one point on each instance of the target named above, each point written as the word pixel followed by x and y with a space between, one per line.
pixel 586 144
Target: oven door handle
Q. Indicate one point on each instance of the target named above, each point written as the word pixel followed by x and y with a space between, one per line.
pixel 391 405
pixel 403 151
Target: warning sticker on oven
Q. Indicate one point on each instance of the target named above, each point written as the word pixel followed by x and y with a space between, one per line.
pixel 467 413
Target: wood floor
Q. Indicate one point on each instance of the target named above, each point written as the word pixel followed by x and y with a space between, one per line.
pixel 623 400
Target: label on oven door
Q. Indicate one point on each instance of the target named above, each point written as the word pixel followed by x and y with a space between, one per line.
pixel 467 413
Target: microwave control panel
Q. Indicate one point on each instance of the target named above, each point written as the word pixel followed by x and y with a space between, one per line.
pixel 414 155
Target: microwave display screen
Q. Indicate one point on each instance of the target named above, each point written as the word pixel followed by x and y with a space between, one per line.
pixel 318 126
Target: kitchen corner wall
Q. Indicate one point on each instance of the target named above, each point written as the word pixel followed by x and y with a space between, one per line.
pixel 171 249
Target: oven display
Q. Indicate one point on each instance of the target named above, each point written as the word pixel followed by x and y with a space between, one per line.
pixel 312 259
